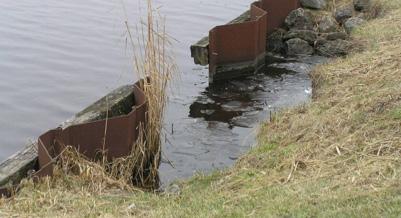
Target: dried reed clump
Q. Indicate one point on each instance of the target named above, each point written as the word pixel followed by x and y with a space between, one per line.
pixel 95 175
pixel 155 67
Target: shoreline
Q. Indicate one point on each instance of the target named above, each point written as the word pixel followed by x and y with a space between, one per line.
pixel 337 155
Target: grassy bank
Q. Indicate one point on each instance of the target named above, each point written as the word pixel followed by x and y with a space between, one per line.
pixel 337 156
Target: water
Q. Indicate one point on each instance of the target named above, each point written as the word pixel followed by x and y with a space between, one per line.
pixel 57 57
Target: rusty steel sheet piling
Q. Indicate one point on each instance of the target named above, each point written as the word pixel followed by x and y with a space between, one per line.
pixel 115 136
pixel 239 48
pixel 200 50
pixel 238 43
pixel 277 11
pixel 87 132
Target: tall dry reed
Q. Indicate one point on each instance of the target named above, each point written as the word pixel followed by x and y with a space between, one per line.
pixel 155 66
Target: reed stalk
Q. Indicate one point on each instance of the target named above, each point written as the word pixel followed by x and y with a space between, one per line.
pixel 155 66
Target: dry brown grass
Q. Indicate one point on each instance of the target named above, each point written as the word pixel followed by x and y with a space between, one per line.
pixel 347 134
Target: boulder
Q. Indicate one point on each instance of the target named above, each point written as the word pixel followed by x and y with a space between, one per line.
pixel 362 5
pixel 314 4
pixel 343 13
pixel 298 47
pixel 306 35
pixel 334 48
pixel 353 23
pixel 320 41
pixel 328 24
pixel 275 42
pixel 299 19
pixel 336 35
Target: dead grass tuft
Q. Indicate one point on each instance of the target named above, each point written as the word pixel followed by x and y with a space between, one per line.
pixel 346 132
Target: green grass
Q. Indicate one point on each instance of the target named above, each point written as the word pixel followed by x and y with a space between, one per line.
pixel 396 113
pixel 338 156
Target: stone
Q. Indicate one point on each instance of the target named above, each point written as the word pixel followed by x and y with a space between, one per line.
pixel 299 19
pixel 362 5
pixel 336 35
pixel 117 102
pixel 200 52
pixel 16 167
pixel 314 4
pixel 275 42
pixel 320 41
pixel 328 24
pixel 334 48
pixel 353 23
pixel 343 13
pixel 298 47
pixel 307 35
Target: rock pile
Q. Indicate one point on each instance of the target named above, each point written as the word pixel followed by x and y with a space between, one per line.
pixel 326 35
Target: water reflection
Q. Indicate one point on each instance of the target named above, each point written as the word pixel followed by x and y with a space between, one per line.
pixel 222 119
pixel 239 102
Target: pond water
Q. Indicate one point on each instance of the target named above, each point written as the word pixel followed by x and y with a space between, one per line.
pixel 57 57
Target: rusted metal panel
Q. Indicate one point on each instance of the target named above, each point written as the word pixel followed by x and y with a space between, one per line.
pixel 239 42
pixel 277 11
pixel 242 43
pixel 115 135
pixel 126 108
pixel 200 50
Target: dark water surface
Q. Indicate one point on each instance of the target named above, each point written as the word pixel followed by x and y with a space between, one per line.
pixel 57 57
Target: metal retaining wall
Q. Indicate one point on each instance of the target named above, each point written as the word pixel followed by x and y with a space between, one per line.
pixel 121 134
pixel 246 42
pixel 277 11
pixel 238 42
pixel 88 138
